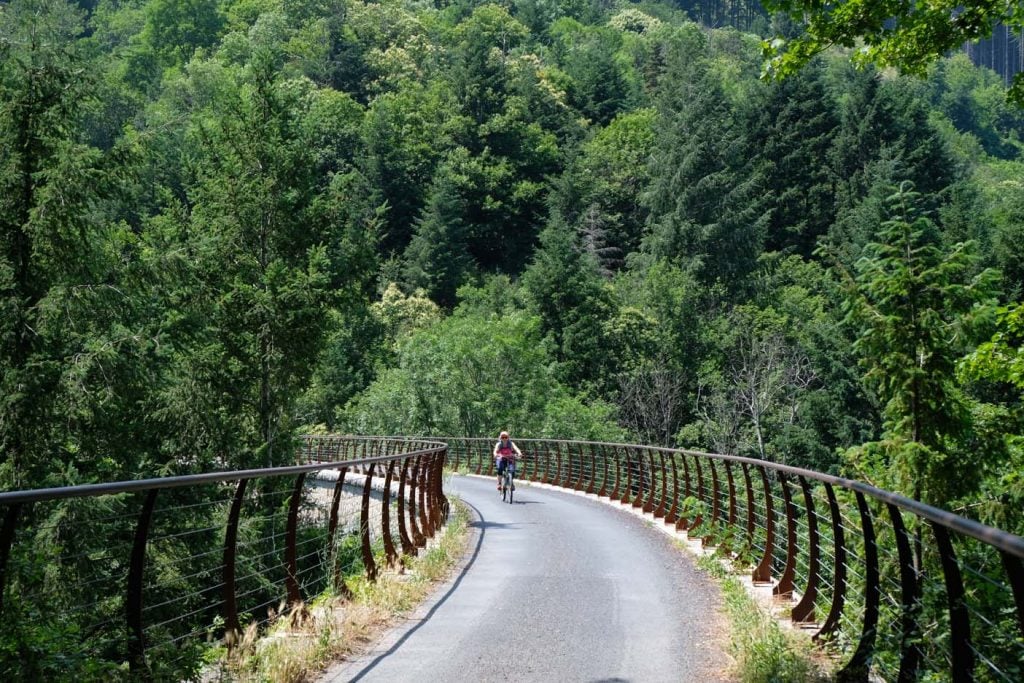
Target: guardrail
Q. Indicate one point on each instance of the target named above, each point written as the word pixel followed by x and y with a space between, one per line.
pixel 137 579
pixel 903 590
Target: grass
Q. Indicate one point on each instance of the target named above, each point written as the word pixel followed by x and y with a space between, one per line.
pixel 306 641
pixel 764 651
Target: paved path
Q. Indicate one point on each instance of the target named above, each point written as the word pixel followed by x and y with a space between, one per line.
pixel 556 587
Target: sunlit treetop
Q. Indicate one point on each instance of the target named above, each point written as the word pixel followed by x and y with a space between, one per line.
pixel 899 33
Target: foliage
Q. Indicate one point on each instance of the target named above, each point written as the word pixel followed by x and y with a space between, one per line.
pixel 475 374
pixel 913 307
pixel 910 37
pixel 763 650
pixel 223 221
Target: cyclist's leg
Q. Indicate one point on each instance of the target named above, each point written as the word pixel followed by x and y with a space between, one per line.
pixel 501 470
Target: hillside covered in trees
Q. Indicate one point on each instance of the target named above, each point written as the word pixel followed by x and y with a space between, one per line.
pixel 228 221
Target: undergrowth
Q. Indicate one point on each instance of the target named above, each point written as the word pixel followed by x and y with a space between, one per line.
pixel 304 642
pixel 764 651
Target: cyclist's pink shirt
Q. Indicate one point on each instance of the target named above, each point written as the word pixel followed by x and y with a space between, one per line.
pixel 506 452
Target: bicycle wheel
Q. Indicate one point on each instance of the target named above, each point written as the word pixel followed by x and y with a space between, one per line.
pixel 504 487
pixel 510 486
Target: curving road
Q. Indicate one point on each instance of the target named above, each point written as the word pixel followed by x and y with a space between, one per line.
pixel 556 587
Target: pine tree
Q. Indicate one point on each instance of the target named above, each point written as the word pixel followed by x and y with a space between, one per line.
pixel 912 305
pixel 437 259
pixel 793 132
pixel 706 199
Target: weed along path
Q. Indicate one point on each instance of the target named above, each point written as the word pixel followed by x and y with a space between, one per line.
pixel 556 587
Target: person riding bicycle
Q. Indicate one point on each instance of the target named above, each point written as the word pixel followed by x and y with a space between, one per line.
pixel 505 454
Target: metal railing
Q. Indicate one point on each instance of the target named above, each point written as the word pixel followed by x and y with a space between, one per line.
pixel 901 589
pixel 137 579
pixel 142 576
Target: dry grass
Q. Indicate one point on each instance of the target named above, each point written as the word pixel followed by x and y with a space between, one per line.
pixel 301 645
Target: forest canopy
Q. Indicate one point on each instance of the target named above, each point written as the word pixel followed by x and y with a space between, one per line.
pixel 227 222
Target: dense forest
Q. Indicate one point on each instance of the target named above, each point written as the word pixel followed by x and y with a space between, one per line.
pixel 225 222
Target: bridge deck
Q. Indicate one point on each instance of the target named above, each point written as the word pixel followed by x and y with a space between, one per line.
pixel 556 587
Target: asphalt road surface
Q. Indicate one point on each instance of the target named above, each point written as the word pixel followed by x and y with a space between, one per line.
pixel 556 587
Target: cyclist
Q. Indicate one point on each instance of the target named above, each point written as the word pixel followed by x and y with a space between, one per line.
pixel 505 454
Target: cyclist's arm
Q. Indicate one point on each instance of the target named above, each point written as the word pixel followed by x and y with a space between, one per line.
pixel 498 443
pixel 515 449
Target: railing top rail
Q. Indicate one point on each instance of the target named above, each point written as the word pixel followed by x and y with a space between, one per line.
pixel 135 485
pixel 997 538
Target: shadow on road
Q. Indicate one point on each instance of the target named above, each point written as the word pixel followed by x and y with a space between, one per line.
pixel 483 525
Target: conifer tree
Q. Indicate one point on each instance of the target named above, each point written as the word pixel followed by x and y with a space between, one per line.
pixel 912 305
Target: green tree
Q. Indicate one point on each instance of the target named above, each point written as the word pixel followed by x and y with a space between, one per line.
pixel 567 293
pixel 474 374
pixel 437 259
pixel 912 306
pixel 268 236
pixel 794 129
pixel 907 36
pixel 53 238
pixel 706 197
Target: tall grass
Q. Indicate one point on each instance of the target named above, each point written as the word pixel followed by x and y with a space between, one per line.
pixel 307 640
pixel 763 650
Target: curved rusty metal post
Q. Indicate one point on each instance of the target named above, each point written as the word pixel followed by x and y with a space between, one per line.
pixel 624 461
pixel 417 535
pixel 699 518
pixel 422 484
pixel 959 622
pixel 232 629
pixel 133 602
pixel 614 454
pixel 649 485
pixel 443 499
pixel 593 468
pixel 763 572
pixel 750 509
pixel 364 527
pixel 6 541
pixel 784 589
pixel 291 580
pixel 839 580
pixel 434 493
pixel 408 547
pixel 1014 572
pixel 603 493
pixel 332 527
pixel 637 469
pixel 660 510
pixel 732 494
pixel 673 513
pixel 546 477
pixel 715 494
pixel 803 613
pixel 860 664
pixel 479 456
pixel 390 553
pixel 683 523
pixel 910 651
pixel 585 473
pixel 558 465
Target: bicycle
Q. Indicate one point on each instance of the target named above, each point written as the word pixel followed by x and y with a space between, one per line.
pixel 508 482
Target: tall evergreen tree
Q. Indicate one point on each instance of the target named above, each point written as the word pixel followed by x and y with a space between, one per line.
pixel 437 259
pixel 912 306
pixel 706 198
pixel 793 132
